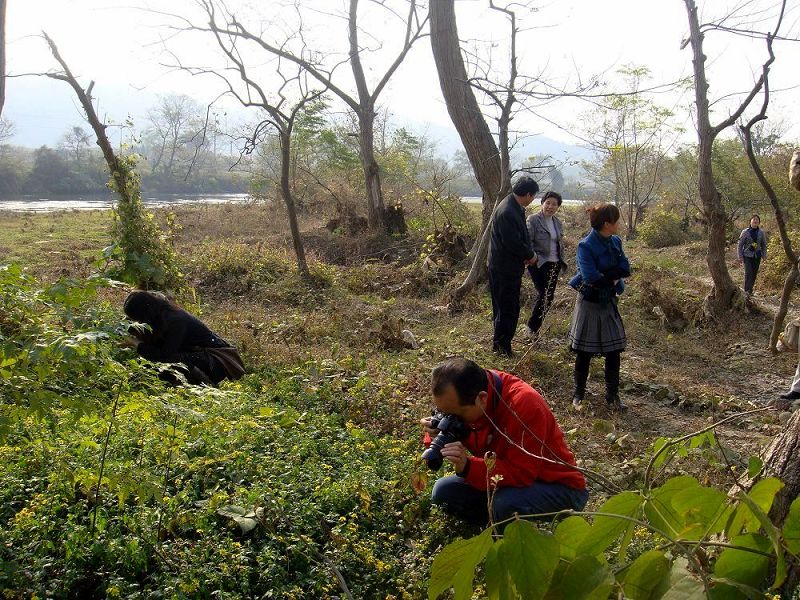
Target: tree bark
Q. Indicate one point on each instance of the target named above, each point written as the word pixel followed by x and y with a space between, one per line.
pixel 288 200
pixel 492 175
pixel 376 211
pixel 724 290
pixel 462 106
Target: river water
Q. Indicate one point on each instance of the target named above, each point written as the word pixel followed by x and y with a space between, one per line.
pixel 104 203
pixel 158 200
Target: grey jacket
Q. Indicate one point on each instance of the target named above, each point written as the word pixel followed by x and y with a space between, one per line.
pixel 744 248
pixel 540 236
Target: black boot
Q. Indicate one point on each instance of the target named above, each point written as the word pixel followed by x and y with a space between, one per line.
pixel 581 374
pixel 612 382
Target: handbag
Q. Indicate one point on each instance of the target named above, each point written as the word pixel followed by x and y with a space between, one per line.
pixel 788 338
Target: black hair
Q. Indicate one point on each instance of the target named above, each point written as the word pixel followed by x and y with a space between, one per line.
pixel 552 194
pixel 148 307
pixel 466 377
pixel 754 216
pixel 525 185
pixel 603 213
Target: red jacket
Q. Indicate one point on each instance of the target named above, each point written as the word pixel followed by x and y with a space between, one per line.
pixel 522 416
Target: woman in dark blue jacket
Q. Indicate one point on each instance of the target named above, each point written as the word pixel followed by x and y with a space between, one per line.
pixel 597 327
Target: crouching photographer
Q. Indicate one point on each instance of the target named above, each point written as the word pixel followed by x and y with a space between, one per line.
pixel 483 413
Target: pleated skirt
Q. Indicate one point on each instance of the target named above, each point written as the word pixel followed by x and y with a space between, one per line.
pixel 596 328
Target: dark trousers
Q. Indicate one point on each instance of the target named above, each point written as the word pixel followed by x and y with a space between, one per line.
pixel 545 279
pixel 582 362
pixel 462 500
pixel 751 265
pixel 504 288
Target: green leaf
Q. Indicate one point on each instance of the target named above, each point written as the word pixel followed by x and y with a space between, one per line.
pixel 700 511
pixel 648 577
pixel 742 566
pixel 531 558
pixel 605 530
pixel 682 584
pixel 454 567
pixel 659 509
pixel 791 528
pixel 774 536
pixel 570 533
pixel 498 584
pixel 762 494
pixel 585 579
pixel 754 466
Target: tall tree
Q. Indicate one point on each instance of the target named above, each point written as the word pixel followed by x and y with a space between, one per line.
pixel 363 102
pixel 724 293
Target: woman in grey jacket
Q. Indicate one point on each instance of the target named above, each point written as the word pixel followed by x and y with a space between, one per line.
pixel 546 235
pixel 752 248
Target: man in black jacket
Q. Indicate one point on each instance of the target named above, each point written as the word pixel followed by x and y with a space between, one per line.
pixel 510 250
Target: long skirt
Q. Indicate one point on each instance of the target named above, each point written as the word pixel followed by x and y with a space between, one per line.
pixel 596 328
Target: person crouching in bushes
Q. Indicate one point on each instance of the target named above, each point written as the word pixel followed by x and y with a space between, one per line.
pixel 502 438
pixel 596 327
pixel 176 336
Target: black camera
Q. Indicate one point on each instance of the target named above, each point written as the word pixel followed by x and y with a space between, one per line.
pixel 451 429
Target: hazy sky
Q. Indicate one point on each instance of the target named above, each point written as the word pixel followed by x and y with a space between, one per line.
pixel 119 45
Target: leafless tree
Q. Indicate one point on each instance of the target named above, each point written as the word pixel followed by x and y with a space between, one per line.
pixel 174 122
pixel 363 102
pixel 281 107
pixel 745 131
pixel 724 293
pixel 76 141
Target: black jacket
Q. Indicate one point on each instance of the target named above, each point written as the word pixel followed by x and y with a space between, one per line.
pixel 180 332
pixel 510 245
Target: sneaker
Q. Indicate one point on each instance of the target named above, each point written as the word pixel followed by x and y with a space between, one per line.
pixel 530 333
pixel 790 395
pixel 576 402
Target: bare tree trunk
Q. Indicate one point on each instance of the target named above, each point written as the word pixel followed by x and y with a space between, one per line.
pixel 286 192
pixel 376 211
pixel 2 55
pixel 463 106
pixel 492 175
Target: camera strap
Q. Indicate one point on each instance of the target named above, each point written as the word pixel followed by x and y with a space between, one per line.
pixel 498 389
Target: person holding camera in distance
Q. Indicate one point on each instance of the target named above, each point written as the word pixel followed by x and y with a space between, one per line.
pixel 751 249
pixel 546 234
pixel 509 251
pixel 177 336
pixel 531 470
pixel 596 327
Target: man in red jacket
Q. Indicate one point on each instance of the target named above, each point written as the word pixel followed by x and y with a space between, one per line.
pixel 514 447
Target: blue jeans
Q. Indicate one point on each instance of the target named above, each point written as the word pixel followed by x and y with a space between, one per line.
pixel 460 499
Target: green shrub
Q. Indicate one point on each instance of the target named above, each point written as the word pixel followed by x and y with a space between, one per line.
pixel 774 270
pixel 661 229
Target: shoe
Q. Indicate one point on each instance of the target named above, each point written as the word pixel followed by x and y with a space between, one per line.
pixel 790 396
pixel 615 404
pixel 531 334
pixel 507 352
pixel 576 402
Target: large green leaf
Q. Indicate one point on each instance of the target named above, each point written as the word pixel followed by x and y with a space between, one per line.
pixel 605 529
pixel 659 509
pixel 585 579
pixel 774 536
pixel 791 528
pixel 762 494
pixel 531 558
pixel 454 567
pixel 498 584
pixel 570 533
pixel 682 584
pixel 648 577
pixel 745 567
pixel 700 511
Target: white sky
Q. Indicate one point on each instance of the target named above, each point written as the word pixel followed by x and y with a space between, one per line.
pixel 116 44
